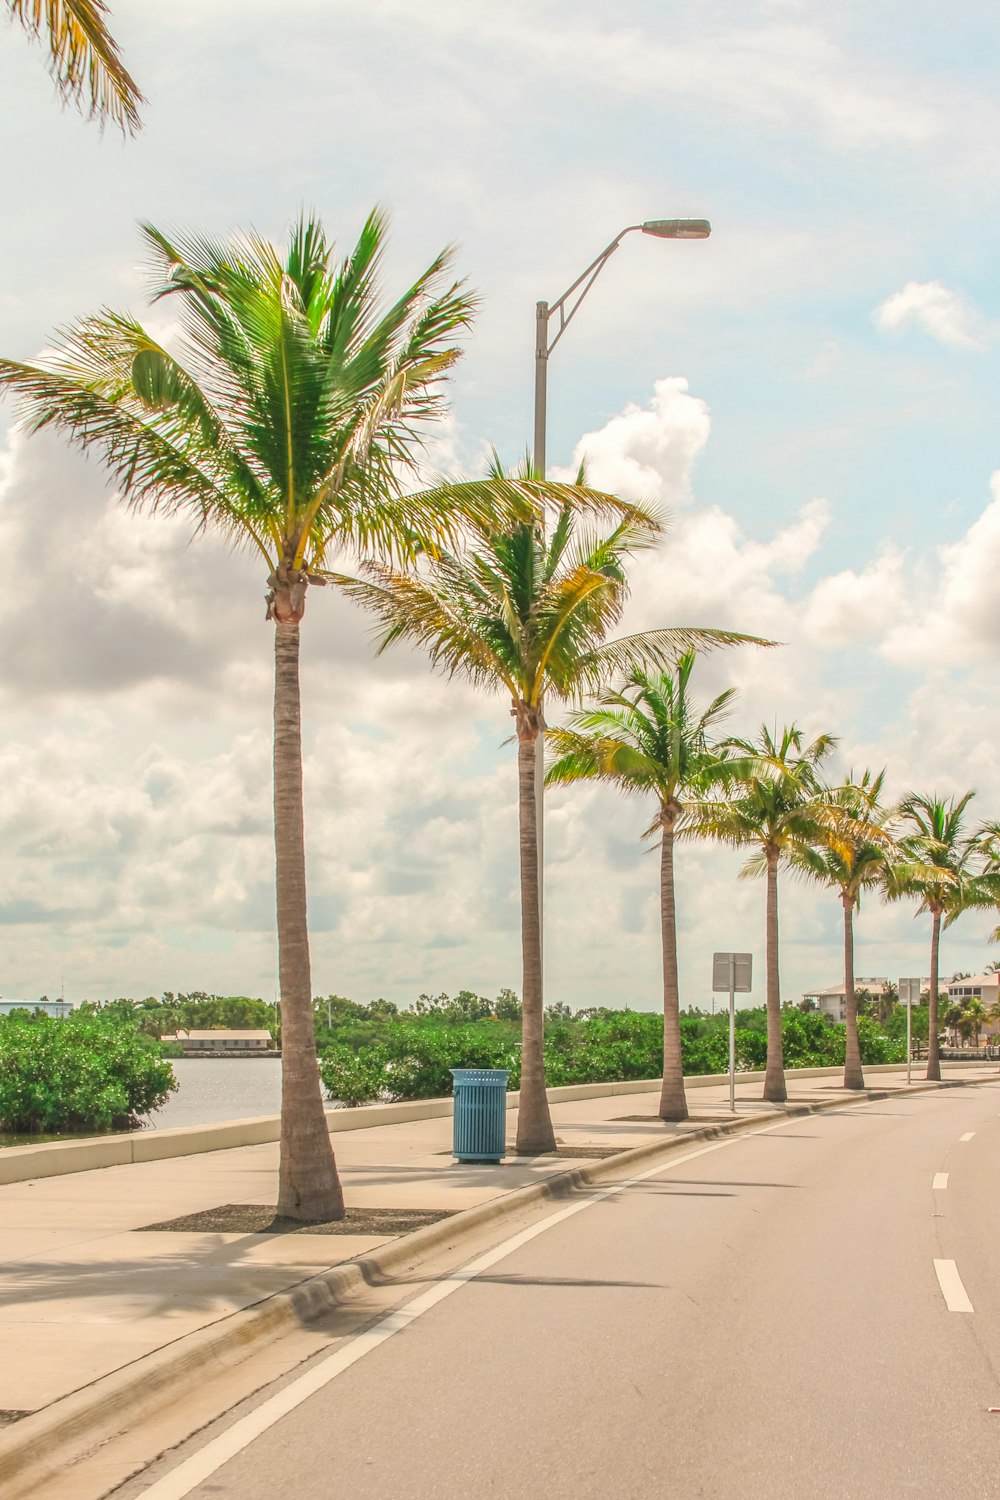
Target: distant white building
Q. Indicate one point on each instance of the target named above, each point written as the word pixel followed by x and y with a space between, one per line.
pixel 50 1007
pixel 833 1000
pixel 984 987
pixel 201 1042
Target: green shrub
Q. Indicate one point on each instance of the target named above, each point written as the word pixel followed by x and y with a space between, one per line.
pixel 87 1072
pixel 876 1047
pixel 415 1061
pixel 410 1054
pixel 354 1077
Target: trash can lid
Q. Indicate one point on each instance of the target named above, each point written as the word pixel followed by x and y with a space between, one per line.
pixel 480 1075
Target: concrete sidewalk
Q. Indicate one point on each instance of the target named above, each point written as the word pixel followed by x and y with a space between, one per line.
pixel 83 1294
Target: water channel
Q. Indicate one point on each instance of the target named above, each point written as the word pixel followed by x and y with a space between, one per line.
pixel 221 1088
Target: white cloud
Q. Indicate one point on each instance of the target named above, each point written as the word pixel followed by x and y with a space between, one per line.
pixel 847 608
pixel 647 452
pixel 779 75
pixel 951 619
pixel 939 311
pixel 138 838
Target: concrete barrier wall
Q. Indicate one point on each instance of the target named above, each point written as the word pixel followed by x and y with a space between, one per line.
pixel 22 1163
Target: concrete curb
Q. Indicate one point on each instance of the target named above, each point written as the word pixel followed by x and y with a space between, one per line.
pixel 54 1158
pixel 43 1445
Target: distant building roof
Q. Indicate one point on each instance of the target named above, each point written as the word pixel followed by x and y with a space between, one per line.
pixel 219 1034
pixel 875 986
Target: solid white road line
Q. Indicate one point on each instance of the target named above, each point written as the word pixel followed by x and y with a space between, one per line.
pixel 201 1465
pixel 940 1182
pixel 956 1298
pixel 967 1136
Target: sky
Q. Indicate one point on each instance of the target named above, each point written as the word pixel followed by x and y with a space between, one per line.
pixel 811 393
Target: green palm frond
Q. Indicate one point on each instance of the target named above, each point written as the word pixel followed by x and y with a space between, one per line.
pixel 645 738
pixel 528 614
pixel 656 650
pixel 409 608
pixel 770 798
pixel 938 863
pixel 754 866
pixel 853 847
pixel 84 59
pixel 290 408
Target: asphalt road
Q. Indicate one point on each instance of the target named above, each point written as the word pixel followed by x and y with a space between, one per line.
pixel 760 1319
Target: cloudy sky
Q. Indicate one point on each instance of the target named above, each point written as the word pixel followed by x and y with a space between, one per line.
pixel 813 393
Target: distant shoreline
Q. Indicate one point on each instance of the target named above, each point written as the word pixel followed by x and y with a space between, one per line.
pixel 212 1055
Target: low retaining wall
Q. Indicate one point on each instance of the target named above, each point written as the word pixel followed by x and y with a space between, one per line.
pixel 22 1163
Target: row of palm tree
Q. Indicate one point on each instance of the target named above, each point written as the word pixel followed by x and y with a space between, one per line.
pixel 524 611
pixel 289 415
pixel 767 795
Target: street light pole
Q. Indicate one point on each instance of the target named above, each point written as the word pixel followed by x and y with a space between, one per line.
pixel 565 309
pixel 541 386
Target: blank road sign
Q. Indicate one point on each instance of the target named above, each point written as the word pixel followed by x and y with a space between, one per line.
pixel 909 991
pixel 732 971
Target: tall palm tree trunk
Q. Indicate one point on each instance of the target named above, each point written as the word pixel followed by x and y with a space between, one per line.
pixel 673 1102
pixel 774 1077
pixel 308 1184
pixel 534 1123
pixel 933 1048
pixel 854 1078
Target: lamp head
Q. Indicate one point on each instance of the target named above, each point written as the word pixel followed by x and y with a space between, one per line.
pixel 677 229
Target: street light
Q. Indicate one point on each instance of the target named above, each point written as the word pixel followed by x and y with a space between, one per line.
pixel 661 229
pixel 565 309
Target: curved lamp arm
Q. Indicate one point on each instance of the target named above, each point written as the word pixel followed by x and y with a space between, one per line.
pixel 664 229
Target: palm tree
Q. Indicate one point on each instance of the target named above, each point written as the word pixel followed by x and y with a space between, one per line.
pixel 975 1011
pixel 993 1017
pixel 287 419
pixel 774 803
pixel 886 1002
pixel 648 739
pixel 940 865
pixel 851 855
pixel 528 616
pixel 83 56
pixel 951 1017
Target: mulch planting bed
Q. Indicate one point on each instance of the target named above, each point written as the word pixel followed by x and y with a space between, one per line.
pixel 260 1218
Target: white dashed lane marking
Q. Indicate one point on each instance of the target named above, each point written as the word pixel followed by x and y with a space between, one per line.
pixel 940 1182
pixel 956 1298
pixel 967 1136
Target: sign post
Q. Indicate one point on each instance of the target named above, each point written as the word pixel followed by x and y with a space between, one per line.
pixel 909 990
pixel 732 972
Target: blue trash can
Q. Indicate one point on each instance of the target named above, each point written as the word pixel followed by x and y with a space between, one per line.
pixel 480 1120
